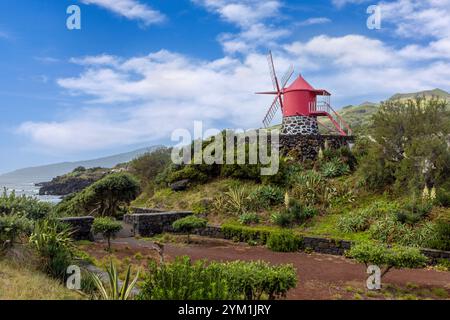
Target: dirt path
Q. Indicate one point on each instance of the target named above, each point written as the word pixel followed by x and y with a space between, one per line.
pixel 320 276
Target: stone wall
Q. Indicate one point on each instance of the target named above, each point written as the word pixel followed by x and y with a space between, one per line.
pixel 81 227
pixel 150 224
pixel 306 147
pixel 326 246
pixel 146 210
pixel 436 255
pixel 300 125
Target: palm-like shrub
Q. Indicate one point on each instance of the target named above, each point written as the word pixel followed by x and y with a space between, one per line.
pixel 334 168
pixel 311 188
pixel 236 200
pixel 115 290
pixel 265 196
pixel 55 246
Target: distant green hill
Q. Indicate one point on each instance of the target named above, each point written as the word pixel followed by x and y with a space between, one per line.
pixel 359 116
pixel 48 172
pixel 427 94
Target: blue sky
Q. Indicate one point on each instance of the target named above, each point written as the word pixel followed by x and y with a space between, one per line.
pixel 138 69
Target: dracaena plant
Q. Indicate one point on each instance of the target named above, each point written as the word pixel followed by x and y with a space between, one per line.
pixel 114 290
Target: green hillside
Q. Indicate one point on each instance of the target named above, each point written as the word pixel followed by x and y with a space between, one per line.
pixel 439 93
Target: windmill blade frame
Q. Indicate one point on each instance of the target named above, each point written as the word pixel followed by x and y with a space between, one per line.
pixel 271 112
pixel 287 76
pixel 273 74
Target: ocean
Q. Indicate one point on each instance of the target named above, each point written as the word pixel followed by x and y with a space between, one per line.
pixel 27 189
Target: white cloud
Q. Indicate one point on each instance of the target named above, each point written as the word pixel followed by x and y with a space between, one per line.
pixel 242 12
pixel 314 21
pixel 103 60
pixel 130 9
pixel 347 51
pixel 255 19
pixel 342 3
pixel 418 18
pixel 143 98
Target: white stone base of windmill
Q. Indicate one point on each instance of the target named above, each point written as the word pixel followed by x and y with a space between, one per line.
pixel 303 125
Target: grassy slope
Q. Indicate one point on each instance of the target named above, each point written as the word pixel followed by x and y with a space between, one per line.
pixel 20 283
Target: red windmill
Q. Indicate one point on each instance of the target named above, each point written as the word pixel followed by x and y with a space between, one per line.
pixel 301 104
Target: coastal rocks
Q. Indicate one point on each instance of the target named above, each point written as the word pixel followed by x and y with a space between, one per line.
pixel 72 182
pixel 63 188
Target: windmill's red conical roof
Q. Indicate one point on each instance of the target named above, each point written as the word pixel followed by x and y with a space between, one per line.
pixel 300 84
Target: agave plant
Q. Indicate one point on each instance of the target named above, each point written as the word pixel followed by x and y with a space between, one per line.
pixel 115 291
pixel 236 200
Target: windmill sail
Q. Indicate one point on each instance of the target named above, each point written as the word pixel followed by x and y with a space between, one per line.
pixel 271 113
pixel 287 76
pixel 273 74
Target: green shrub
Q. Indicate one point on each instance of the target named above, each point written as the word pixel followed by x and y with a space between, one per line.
pixel 311 188
pixel 294 212
pixel 184 280
pixel 108 227
pixel 28 207
pixel 257 280
pixel 12 227
pixel 441 239
pixel 103 198
pixel 191 172
pixel 383 256
pixel 54 245
pixel 284 241
pixel 362 219
pixel 416 128
pixel 189 224
pixel 443 197
pixel 147 166
pixel 266 196
pixel 414 212
pixel 334 168
pixel 248 218
pixel 282 218
pixel 247 234
pixel 201 207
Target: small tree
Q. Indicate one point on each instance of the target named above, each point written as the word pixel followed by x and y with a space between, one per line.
pixel 103 198
pixel 108 227
pixel 189 224
pixel 395 257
